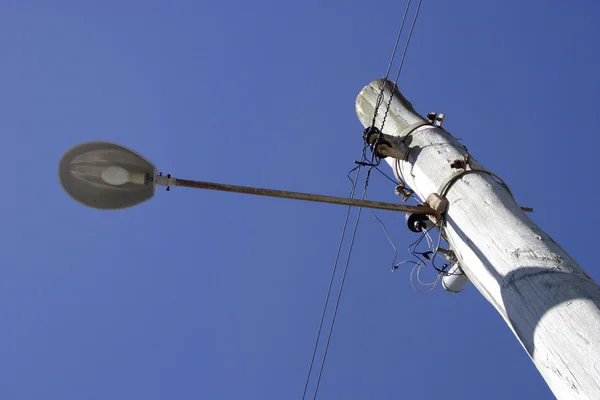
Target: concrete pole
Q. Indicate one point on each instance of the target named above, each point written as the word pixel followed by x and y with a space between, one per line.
pixel 545 297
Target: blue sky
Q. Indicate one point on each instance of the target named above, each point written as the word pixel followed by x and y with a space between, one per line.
pixel 209 295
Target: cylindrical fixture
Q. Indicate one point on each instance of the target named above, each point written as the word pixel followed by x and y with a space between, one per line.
pixel 455 279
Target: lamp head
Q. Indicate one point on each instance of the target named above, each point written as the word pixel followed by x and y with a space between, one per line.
pixel 106 176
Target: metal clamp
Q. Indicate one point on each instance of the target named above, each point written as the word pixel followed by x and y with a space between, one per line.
pixel 168 180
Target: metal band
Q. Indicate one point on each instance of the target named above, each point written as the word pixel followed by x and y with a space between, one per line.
pixel 456 176
pixel 409 131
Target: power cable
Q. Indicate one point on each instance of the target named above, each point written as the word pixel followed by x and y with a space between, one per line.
pixel 395 182
pixel 388 238
pixel 412 27
pixel 337 303
pixel 354 182
pixel 385 80
pixel 337 257
pixel 382 86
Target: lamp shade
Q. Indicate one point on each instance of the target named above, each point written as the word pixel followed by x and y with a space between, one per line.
pixel 106 176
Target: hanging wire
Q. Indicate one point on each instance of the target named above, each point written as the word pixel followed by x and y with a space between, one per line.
pixel 432 285
pixel 420 264
pixel 387 235
pixel 394 181
pixel 429 240
pixel 435 254
pixel 354 183
pixel 337 257
pixel 430 255
pixel 337 303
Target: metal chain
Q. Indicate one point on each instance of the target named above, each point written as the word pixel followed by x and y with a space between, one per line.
pixel 412 27
pixel 381 87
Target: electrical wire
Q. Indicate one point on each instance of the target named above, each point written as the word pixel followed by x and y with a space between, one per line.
pixel 431 249
pixel 413 246
pixel 437 249
pixel 387 73
pixel 337 304
pixel 403 262
pixel 432 286
pixel 388 238
pixel 354 182
pixel 380 96
pixel 418 266
pixel 438 275
pixel 412 27
pixel 394 181
pixel 429 239
pixel 398 38
pixel 337 257
pixel 430 255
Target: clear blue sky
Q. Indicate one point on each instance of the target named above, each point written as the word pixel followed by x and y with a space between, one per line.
pixel 203 295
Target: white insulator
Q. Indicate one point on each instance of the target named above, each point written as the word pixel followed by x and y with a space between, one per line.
pixel 455 279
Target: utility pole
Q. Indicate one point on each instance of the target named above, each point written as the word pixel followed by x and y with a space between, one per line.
pixel 545 297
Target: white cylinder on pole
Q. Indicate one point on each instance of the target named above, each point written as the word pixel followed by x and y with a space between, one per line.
pixel 455 279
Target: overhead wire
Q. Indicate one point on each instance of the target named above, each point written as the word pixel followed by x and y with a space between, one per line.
pixel 337 303
pixel 412 28
pixel 345 225
pixel 384 81
pixel 337 258
pixel 382 86
pixel 345 271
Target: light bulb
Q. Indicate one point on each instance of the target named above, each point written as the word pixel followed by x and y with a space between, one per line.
pixel 116 176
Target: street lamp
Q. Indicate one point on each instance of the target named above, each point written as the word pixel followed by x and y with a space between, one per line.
pixel 109 176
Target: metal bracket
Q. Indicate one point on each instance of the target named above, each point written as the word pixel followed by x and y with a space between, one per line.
pixel 436 119
pixel 383 145
pixel 402 191
pixel 168 181
pixel 465 167
pixel 449 254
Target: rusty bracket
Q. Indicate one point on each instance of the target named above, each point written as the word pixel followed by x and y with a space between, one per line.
pixel 384 145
